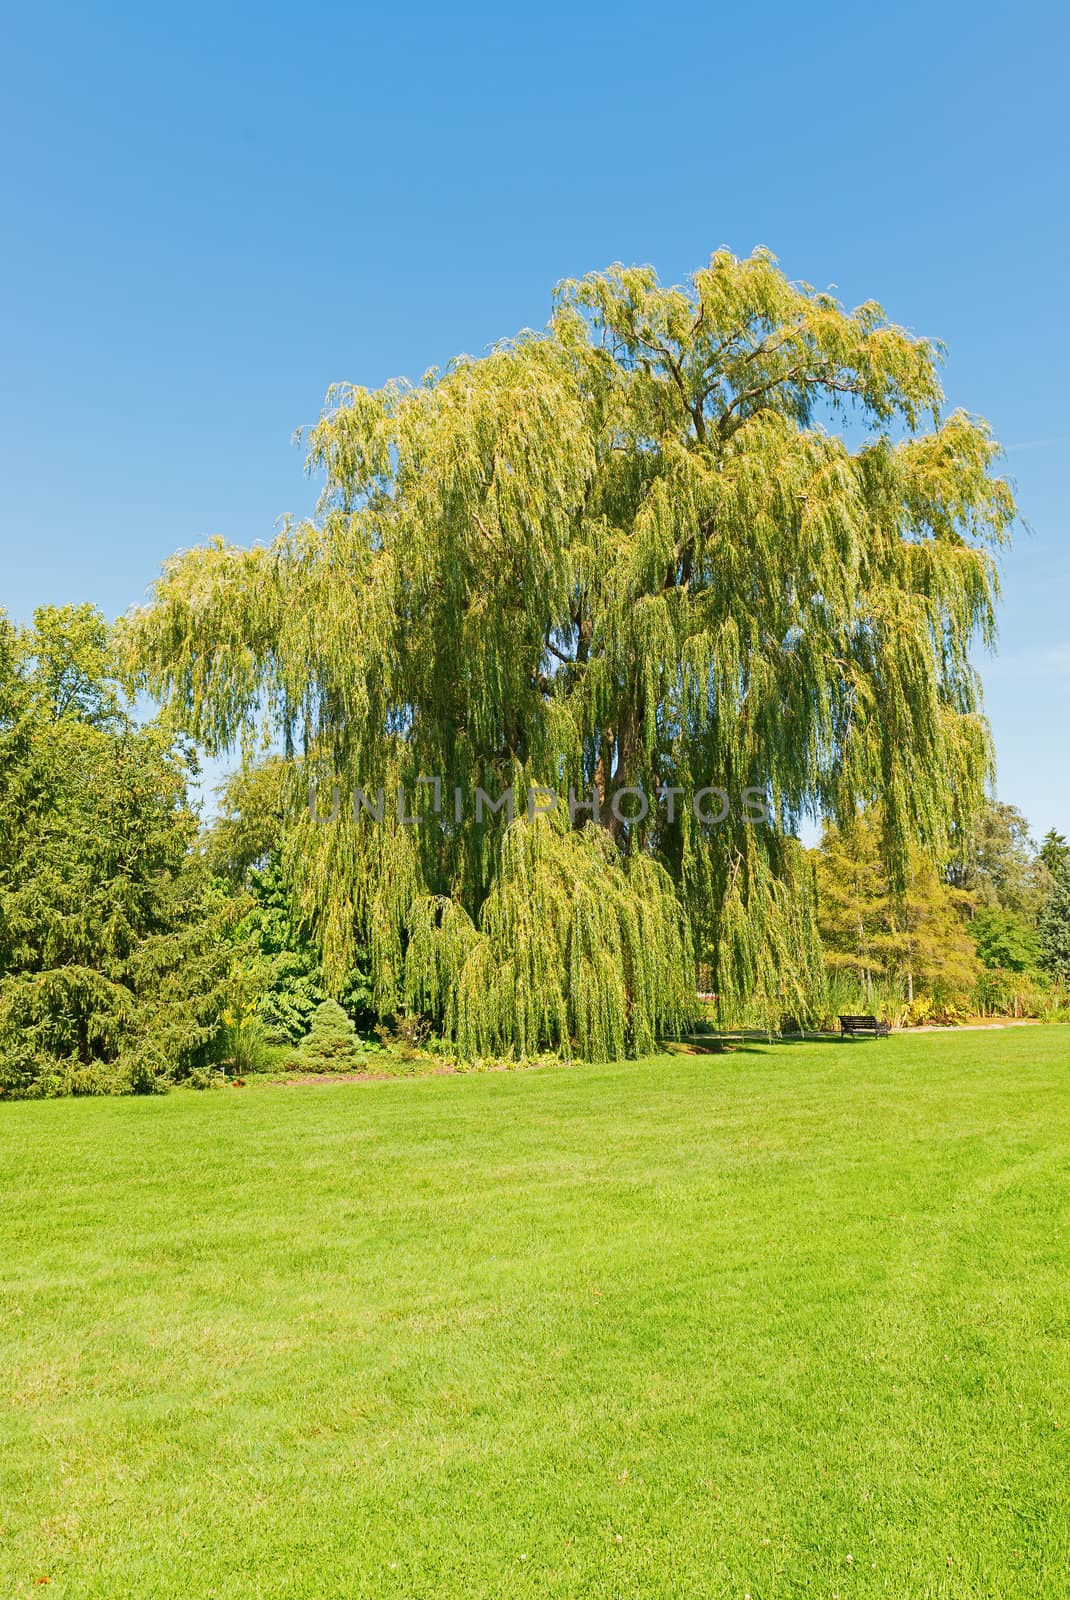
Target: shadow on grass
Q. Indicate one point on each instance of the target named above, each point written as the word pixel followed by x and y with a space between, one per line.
pixel 722 1041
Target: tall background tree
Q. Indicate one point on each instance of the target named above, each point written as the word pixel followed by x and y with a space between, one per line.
pixel 631 552
pixel 1054 851
pixel 875 927
pixel 1054 926
pixel 115 972
pixel 1000 865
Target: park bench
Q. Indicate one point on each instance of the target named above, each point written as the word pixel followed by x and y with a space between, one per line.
pixel 850 1027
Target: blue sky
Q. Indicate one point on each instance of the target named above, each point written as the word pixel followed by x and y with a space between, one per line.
pixel 211 213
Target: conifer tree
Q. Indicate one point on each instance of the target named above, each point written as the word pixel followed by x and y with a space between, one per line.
pixel 331 1044
pixel 1054 926
pixel 114 966
pixel 1054 851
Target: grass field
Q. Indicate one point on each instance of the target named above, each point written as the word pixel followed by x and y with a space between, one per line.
pixel 793 1321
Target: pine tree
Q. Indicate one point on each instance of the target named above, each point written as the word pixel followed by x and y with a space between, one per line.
pixel 1054 851
pixel 331 1044
pixel 1054 926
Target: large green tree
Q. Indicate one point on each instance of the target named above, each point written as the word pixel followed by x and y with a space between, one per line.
pixel 1000 866
pixel 629 552
pixel 1054 926
pixel 114 968
pixel 1005 940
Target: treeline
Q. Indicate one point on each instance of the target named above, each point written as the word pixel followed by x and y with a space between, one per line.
pixel 138 949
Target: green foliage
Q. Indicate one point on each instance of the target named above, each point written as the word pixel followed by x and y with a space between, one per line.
pixel 849 991
pixel 69 656
pixel 1002 992
pixel 1004 939
pixel 913 935
pixel 331 1045
pixel 244 836
pixel 1054 926
pixel 244 1047
pixel 1000 867
pixel 1054 851
pixel 907 957
pixel 576 948
pixel 279 962
pixel 113 957
pixel 204 1078
pixel 630 551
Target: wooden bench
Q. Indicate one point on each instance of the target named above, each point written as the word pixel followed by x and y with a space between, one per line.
pixel 851 1027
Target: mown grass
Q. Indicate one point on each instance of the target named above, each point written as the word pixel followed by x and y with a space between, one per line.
pixel 793 1321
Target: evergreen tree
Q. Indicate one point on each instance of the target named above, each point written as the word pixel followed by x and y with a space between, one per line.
pixel 278 959
pixel 331 1044
pixel 280 963
pixel 1054 926
pixel 630 552
pixel 114 969
pixel 1054 851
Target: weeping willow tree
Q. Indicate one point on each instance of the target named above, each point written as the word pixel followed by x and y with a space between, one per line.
pixel 635 552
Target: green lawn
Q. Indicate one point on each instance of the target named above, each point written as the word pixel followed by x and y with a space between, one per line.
pixel 793 1321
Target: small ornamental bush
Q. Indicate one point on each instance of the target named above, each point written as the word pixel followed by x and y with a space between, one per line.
pixel 203 1078
pixel 331 1045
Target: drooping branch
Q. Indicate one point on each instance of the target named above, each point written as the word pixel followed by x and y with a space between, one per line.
pixel 613 554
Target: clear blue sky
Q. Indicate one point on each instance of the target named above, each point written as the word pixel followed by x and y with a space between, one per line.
pixel 211 213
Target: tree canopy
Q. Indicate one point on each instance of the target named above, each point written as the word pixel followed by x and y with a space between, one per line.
pixel 1054 925
pixel 634 551
pixel 1006 940
pixel 113 971
pixel 1000 865
pixel 874 928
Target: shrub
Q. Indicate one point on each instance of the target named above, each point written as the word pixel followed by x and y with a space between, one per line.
pixel 331 1045
pixel 407 1038
pixel 204 1078
pixel 245 1048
